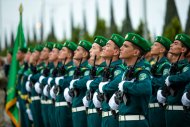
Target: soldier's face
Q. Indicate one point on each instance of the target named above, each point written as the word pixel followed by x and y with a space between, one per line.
pixel 53 54
pixel 36 55
pixel 79 53
pixel 20 55
pixel 9 58
pixel 95 51
pixel 108 50
pixel 157 48
pixel 44 54
pixel 27 56
pixel 176 48
pixel 63 53
pixel 127 50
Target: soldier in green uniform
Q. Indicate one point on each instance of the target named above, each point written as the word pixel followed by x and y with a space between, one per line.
pixel 98 64
pixel 53 58
pixel 109 83
pixel 159 71
pixel 78 84
pixel 135 88
pixel 25 101
pixel 36 67
pixel 20 57
pixel 44 56
pixel 63 114
pixel 175 83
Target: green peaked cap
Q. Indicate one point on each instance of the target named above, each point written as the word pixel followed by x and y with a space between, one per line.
pixel 39 48
pixel 184 38
pixel 85 44
pixel 30 49
pixel 117 39
pixel 164 41
pixel 49 45
pixel 100 40
pixel 138 41
pixel 58 46
pixel 70 45
pixel 23 49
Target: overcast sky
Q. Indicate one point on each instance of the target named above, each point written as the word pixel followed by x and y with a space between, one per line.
pixel 60 11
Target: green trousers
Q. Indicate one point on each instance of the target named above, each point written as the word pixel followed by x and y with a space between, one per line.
pixel 94 120
pixel 156 117
pixel 37 113
pixel 79 119
pixel 44 109
pixel 110 121
pixel 136 123
pixel 63 116
pixel 51 115
pixel 177 118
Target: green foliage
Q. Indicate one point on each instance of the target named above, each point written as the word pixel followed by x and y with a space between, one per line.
pixel 172 29
pixel 100 28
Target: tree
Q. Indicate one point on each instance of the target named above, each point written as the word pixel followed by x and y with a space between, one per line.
pixel 139 30
pixel 173 28
pixel 127 25
pixel 12 39
pixel 187 27
pixel 171 12
pixel 113 26
pixel 51 37
pixel 100 24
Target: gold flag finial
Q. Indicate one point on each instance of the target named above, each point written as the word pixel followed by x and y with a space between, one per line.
pixel 20 9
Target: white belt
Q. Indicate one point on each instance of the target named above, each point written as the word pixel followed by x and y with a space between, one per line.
pixel 35 98
pixel 131 117
pixel 90 111
pixel 57 104
pixel 153 105
pixel 78 109
pixel 105 114
pixel 46 102
pixel 174 107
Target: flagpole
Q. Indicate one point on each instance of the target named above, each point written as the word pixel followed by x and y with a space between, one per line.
pixel 145 30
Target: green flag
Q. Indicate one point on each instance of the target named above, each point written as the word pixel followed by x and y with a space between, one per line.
pixel 10 107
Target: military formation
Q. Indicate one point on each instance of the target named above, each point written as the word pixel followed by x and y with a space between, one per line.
pixel 116 82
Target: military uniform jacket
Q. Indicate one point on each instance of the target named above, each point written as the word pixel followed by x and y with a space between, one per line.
pixel 94 84
pixel 137 92
pixel 179 81
pixel 80 85
pixel 63 83
pixel 117 69
pixel 159 72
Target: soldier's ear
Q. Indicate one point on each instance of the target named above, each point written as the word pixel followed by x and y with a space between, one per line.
pixel 184 49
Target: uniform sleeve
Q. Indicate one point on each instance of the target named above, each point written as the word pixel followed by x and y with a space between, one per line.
pixel 182 78
pixel 81 83
pixel 160 81
pixel 94 84
pixel 140 87
pixel 112 86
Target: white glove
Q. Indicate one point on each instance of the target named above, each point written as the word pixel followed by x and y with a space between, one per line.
pixel 17 105
pixel 160 97
pixel 167 82
pixel 72 82
pixel 49 80
pixel 41 78
pixel 101 85
pixel 28 86
pixel 37 88
pixel 88 84
pixel 185 101
pixel 57 79
pixel 29 77
pixel 95 100
pixel 45 91
pixel 28 111
pixel 52 94
pixel 120 86
pixel 85 102
pixel 112 103
pixel 68 98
